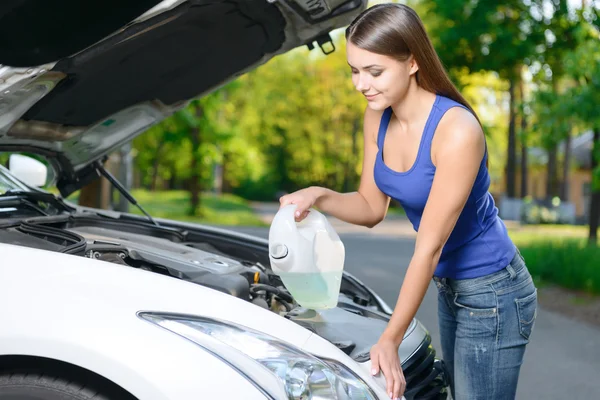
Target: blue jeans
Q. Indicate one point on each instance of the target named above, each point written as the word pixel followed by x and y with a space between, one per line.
pixel 485 325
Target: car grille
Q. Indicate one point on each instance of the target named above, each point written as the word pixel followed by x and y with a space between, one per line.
pixel 426 377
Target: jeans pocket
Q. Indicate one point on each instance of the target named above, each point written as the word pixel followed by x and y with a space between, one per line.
pixel 527 312
pixel 477 304
pixel 477 315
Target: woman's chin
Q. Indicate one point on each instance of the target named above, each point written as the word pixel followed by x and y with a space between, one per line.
pixel 377 105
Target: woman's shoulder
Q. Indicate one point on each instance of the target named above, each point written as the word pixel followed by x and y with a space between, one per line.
pixel 459 128
pixel 458 119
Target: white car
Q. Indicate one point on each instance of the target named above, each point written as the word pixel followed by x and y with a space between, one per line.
pixel 107 306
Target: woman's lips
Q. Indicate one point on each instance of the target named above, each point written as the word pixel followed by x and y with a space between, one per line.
pixel 372 96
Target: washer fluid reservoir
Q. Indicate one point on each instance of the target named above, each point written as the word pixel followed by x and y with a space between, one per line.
pixel 308 256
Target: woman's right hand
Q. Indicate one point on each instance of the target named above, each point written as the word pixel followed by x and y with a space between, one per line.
pixel 303 199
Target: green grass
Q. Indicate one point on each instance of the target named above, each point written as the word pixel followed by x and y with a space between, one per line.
pixel 560 255
pixel 225 209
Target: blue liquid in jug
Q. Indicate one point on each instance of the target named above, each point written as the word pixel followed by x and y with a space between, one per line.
pixel 314 290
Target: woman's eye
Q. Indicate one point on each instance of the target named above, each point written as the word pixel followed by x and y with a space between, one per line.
pixel 376 73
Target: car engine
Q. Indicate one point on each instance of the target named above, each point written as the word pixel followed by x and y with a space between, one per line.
pixel 163 252
pixel 195 262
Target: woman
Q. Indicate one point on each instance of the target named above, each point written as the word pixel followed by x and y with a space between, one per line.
pixel 424 147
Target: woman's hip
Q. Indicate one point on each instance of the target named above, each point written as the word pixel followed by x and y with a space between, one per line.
pixel 501 306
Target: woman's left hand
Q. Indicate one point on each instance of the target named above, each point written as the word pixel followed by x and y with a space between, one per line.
pixel 384 358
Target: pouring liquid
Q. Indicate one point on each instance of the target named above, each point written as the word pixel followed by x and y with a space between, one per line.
pixel 314 290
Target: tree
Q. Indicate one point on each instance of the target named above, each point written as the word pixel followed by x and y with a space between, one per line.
pixel 576 106
pixel 550 74
pixel 490 36
pixel 157 151
pixel 584 65
pixel 300 117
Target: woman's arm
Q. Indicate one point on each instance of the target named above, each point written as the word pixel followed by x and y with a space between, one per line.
pixel 458 155
pixel 458 158
pixel 367 206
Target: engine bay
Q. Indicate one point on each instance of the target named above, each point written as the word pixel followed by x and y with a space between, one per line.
pixel 221 262
pixel 166 251
pixel 197 262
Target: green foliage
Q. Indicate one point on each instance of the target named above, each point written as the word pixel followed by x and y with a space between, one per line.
pixel 575 106
pixel 485 91
pixel 306 119
pixel 297 120
pixel 226 209
pixel 583 64
pixel 294 122
pixel 566 261
pixel 486 35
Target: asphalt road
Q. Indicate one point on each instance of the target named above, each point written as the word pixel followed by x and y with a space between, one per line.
pixel 563 358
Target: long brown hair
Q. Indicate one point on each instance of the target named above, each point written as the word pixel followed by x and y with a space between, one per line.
pixel 395 30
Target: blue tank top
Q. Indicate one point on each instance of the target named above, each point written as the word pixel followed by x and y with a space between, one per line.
pixel 479 244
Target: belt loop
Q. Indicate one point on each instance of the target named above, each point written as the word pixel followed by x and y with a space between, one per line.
pixel 511 271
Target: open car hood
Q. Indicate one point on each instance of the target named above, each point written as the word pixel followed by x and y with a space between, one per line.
pixel 78 78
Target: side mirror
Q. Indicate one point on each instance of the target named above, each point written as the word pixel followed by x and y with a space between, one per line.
pixel 28 170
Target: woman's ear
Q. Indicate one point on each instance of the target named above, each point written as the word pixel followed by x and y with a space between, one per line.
pixel 413 66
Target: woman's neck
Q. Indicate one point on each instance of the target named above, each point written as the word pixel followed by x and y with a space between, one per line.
pixel 414 107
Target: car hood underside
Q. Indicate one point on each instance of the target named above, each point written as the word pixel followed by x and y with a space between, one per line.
pixel 116 78
pixel 84 105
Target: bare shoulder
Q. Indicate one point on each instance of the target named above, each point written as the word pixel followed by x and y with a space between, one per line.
pixel 458 131
pixel 459 124
pixel 372 118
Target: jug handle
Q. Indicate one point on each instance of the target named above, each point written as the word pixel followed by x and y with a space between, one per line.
pixel 287 214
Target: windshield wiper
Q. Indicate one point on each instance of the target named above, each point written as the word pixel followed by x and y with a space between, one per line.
pixel 100 168
pixel 33 195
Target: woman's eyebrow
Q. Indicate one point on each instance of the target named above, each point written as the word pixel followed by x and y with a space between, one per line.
pixel 368 66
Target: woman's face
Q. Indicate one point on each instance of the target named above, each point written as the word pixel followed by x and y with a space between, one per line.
pixel 381 79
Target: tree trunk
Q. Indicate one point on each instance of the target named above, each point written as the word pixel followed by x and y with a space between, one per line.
pixel 125 175
pixel 511 162
pixel 155 166
pixel 91 195
pixel 564 188
pixel 96 194
pixel 552 187
pixel 524 172
pixel 195 183
pixel 595 197
pixel 195 168
pixel 218 174
pixel 524 164
pixel 227 185
pixel 172 183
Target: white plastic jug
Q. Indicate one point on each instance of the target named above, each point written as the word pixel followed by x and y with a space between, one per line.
pixel 308 256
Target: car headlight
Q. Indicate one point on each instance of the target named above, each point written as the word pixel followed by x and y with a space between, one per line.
pixel 302 375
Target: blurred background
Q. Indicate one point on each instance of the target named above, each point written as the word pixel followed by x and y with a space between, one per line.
pixel 531 70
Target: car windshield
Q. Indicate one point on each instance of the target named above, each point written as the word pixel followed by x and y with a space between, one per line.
pixel 8 182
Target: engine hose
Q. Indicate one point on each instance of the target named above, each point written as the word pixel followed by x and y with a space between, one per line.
pixel 287 305
pixel 271 289
pixel 78 243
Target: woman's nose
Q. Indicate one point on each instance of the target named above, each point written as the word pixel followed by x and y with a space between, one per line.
pixel 362 84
